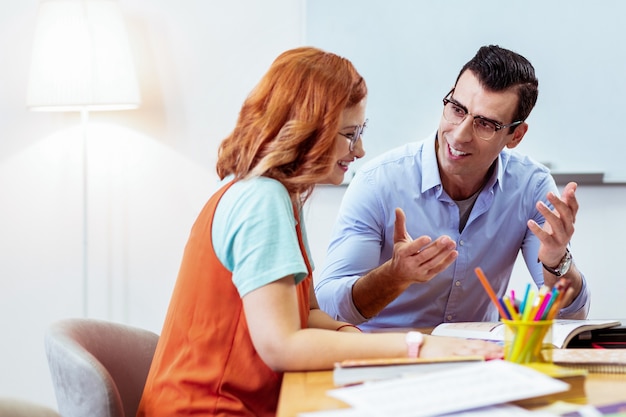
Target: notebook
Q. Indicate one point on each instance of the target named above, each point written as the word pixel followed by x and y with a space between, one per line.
pixel 355 371
pixel 609 361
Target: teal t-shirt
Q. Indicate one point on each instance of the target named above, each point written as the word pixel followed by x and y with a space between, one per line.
pixel 254 234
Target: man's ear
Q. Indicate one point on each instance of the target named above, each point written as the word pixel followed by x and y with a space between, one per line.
pixel 518 135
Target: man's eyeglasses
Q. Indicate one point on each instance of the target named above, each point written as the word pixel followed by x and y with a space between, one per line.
pixel 484 128
pixel 354 136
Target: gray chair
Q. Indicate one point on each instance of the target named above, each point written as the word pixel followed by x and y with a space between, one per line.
pixel 13 407
pixel 98 368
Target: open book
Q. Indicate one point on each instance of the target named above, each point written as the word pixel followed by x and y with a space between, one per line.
pixel 562 330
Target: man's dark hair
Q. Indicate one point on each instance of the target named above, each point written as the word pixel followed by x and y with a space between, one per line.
pixel 499 69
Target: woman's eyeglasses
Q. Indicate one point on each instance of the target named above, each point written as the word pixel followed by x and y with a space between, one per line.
pixel 354 136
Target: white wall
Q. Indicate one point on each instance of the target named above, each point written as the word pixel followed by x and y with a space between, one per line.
pixel 410 51
pixel 150 170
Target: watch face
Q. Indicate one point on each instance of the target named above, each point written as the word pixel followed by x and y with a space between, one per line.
pixel 564 265
pixel 567 261
pixel 414 337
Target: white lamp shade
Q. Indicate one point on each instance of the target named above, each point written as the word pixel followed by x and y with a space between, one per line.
pixel 81 58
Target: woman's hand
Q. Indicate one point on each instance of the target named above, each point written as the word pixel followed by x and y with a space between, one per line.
pixel 437 346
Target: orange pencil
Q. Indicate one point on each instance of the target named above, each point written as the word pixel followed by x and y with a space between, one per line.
pixel 490 293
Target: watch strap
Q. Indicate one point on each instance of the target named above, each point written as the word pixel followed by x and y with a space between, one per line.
pixel 414 341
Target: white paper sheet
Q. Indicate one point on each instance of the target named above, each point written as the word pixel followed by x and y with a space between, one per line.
pixel 468 387
pixel 502 410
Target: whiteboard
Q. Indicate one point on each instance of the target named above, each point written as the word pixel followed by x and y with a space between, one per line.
pixel 410 53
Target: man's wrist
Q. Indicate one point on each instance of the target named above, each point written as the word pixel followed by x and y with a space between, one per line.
pixel 562 267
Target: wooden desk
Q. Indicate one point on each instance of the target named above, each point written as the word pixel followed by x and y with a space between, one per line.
pixel 306 391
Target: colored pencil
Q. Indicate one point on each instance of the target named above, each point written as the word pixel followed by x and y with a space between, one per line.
pixel 489 290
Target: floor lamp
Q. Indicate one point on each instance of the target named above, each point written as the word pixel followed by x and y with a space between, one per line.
pixel 81 62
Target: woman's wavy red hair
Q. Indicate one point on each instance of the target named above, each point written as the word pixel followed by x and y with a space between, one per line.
pixel 287 126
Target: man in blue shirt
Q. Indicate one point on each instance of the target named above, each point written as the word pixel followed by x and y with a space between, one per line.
pixel 469 193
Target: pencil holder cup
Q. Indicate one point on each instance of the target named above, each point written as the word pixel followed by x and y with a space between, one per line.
pixel 528 341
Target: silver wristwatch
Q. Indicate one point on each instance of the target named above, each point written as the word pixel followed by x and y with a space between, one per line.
pixel 563 266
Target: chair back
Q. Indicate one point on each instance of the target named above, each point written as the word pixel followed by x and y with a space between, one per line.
pixel 98 368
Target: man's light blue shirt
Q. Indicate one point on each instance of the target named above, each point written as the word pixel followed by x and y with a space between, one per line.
pixel 408 177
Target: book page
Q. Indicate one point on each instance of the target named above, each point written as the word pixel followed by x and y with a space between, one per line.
pixel 564 330
pixel 493 331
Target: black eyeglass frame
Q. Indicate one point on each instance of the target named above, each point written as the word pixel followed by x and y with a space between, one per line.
pixel 499 126
pixel 356 135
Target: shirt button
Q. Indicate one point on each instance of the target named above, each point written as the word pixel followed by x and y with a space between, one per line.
pixel 461 243
pixel 458 283
pixel 449 317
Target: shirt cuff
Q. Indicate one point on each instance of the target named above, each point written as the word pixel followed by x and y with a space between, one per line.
pixel 579 308
pixel 344 303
